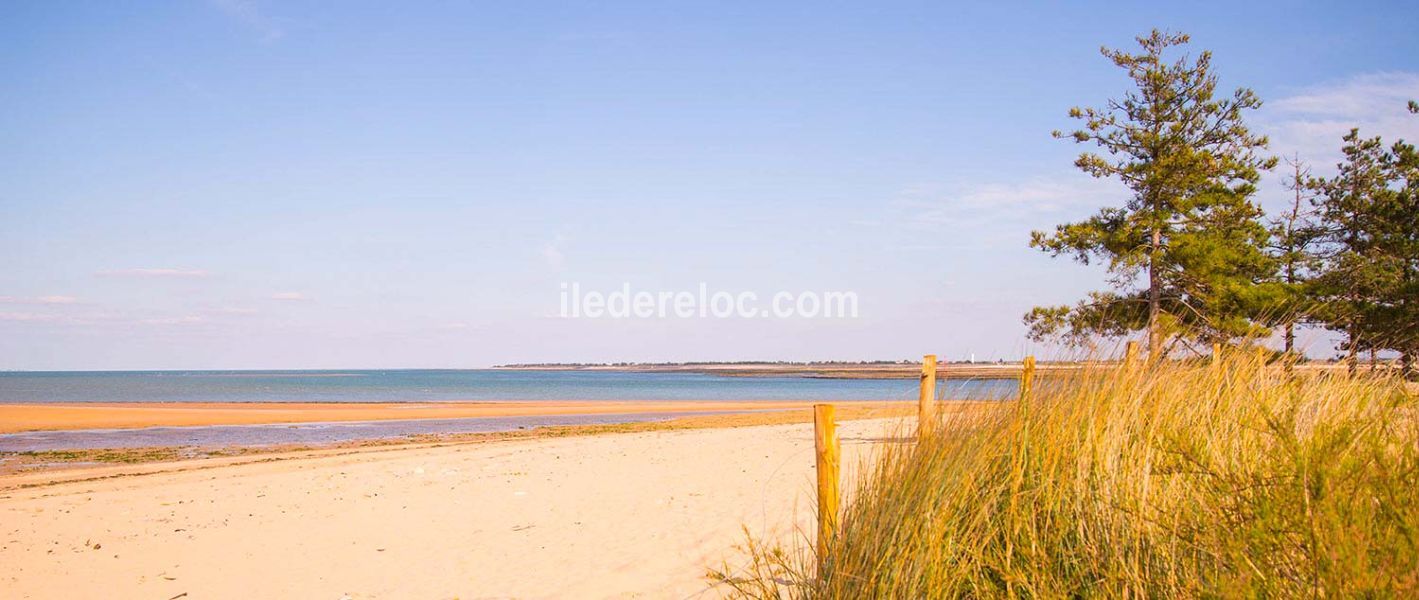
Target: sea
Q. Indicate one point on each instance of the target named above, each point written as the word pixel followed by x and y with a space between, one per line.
pixel 414 385
pixel 448 385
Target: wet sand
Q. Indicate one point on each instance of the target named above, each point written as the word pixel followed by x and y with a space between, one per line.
pixel 51 417
pixel 642 514
pixel 66 441
pixel 41 468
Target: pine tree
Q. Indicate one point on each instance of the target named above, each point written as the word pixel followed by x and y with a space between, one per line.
pixel 1369 281
pixel 1293 242
pixel 1353 274
pixel 1398 242
pixel 1190 229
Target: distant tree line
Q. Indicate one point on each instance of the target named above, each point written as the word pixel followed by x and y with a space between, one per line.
pixel 1192 258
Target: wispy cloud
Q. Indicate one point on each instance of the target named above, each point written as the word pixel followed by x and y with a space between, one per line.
pixel 163 273
pixel 232 310
pixel 29 317
pixel 104 318
pixel 1312 120
pixel 249 15
pixel 1369 94
pixel 552 251
pixel 1004 202
pixel 183 320
pixel 290 296
pixel 59 318
pixel 52 300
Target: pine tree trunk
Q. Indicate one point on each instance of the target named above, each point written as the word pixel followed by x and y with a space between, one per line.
pixel 1406 353
pixel 1352 357
pixel 1155 342
pixel 1291 280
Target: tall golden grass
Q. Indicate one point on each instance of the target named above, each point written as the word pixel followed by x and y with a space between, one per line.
pixel 1167 480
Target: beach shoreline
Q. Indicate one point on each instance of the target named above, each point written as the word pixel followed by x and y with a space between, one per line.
pixel 46 467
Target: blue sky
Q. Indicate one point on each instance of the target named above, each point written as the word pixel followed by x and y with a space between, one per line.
pixel 251 184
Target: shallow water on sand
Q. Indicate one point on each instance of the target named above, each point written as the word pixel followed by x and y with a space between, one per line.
pixel 217 436
pixel 449 385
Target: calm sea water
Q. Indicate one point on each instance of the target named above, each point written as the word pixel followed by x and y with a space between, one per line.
pixel 451 385
pixel 410 386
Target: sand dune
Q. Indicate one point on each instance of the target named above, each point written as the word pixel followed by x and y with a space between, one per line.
pixel 640 515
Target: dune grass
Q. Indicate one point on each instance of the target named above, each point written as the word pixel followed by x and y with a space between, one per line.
pixel 1163 481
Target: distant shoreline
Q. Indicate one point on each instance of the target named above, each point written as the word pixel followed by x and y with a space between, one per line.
pixel 824 370
pixel 849 370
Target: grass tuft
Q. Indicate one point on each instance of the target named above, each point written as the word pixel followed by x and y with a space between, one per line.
pixel 1172 480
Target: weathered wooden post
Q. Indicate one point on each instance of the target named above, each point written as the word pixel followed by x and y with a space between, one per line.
pixel 825 443
pixel 1027 377
pixel 1130 354
pixel 927 400
pixel 1262 354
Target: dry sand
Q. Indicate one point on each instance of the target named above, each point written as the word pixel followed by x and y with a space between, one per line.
pixel 640 515
pixel 130 415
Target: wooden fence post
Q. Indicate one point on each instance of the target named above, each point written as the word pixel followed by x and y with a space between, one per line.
pixel 1027 377
pixel 825 443
pixel 927 400
pixel 1130 354
pixel 1262 354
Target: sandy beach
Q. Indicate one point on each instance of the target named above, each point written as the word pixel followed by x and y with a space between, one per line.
pixel 635 515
